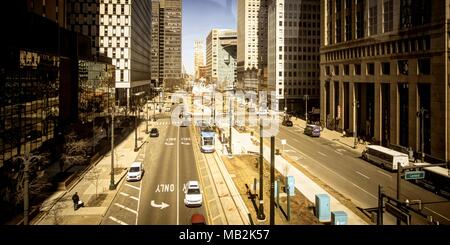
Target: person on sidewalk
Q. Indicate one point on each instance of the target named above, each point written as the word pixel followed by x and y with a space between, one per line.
pixel 75 199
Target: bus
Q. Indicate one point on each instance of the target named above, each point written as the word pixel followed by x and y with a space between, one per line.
pixel 385 157
pixel 207 136
pixel 437 179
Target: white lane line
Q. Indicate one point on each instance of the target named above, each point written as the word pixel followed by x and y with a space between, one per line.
pixel 363 175
pixel 129 196
pixel 385 174
pixel 178 177
pixel 134 187
pixel 323 154
pixel 126 208
pixel 139 201
pixel 117 220
pixel 339 153
pixel 334 172
pixel 438 214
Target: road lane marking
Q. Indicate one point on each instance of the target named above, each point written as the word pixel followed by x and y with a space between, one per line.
pixel 323 154
pixel 339 153
pixel 126 208
pixel 384 174
pixel 342 177
pixel 132 186
pixel 438 214
pixel 365 176
pixel 178 178
pixel 129 196
pixel 139 201
pixel 117 220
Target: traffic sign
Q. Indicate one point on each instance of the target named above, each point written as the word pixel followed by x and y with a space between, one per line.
pixel 398 213
pixel 414 175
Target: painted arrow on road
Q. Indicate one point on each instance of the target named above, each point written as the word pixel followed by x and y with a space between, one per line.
pixel 163 205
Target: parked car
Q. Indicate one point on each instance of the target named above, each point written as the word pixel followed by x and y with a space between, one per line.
pixel 135 172
pixel 154 132
pixel 198 219
pixel 312 130
pixel 192 194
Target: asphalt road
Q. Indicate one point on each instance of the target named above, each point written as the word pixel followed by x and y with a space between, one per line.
pixel 158 198
pixel 353 177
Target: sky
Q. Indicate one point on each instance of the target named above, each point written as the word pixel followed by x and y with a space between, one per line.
pixel 199 17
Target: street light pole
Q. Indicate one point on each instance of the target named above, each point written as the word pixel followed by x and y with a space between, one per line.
pixel 355 137
pixel 306 108
pixel 272 180
pixel 261 215
pixel 112 185
pixel 399 174
pixel 231 121
pixel 146 121
pixel 135 128
pixel 421 114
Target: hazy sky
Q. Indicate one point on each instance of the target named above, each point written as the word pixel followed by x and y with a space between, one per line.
pixel 199 17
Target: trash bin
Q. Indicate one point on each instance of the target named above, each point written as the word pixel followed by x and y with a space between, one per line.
pixel 338 218
pixel 323 207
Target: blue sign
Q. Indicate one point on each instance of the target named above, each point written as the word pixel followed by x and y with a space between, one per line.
pixel 290 180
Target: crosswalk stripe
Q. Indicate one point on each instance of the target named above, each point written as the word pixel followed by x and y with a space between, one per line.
pixel 126 208
pixel 137 188
pixel 117 220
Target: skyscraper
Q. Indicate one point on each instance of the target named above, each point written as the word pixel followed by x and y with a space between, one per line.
pixel 155 44
pixel 170 24
pixel 198 57
pixel 221 57
pixel 252 44
pixel 120 30
pixel 293 53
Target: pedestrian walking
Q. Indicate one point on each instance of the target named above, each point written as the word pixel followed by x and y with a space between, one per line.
pixel 75 199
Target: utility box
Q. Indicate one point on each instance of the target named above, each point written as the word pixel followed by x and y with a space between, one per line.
pixel 338 218
pixel 323 207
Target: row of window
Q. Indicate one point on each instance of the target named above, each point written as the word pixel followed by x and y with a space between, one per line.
pixel 387 48
pixel 423 68
pixel 295 91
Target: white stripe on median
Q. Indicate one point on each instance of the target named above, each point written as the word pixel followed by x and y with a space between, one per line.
pixel 132 186
pixel 365 176
pixel 117 220
pixel 130 196
pixel 126 208
pixel 323 154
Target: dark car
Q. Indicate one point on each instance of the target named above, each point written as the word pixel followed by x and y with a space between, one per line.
pixel 312 130
pixel 154 132
pixel 287 123
pixel 198 219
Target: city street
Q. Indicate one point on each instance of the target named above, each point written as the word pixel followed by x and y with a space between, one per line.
pixel 342 169
pixel 158 198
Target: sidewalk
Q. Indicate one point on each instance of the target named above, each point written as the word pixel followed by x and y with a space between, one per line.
pixel 242 144
pixel 92 187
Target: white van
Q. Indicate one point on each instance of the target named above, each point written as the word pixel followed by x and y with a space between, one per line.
pixel 135 172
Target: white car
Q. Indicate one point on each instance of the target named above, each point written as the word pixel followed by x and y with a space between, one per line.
pixel 135 172
pixel 192 194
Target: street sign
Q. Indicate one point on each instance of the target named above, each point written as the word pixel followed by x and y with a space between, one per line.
pixel 283 142
pixel 291 183
pixel 398 213
pixel 414 175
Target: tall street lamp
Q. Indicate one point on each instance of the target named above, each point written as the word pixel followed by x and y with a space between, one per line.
pixel 422 114
pixel 112 185
pixel 306 97
pixel 355 136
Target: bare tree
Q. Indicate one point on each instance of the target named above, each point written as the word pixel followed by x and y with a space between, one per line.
pixel 55 213
pixel 94 176
pixel 75 150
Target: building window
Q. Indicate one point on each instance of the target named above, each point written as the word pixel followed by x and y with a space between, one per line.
pixel 357 69
pixel 327 71
pixel 388 15
pixel 360 19
pixel 346 70
pixel 336 70
pixel 372 17
pixel 403 67
pixel 424 66
pixel 370 69
pixel 385 68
